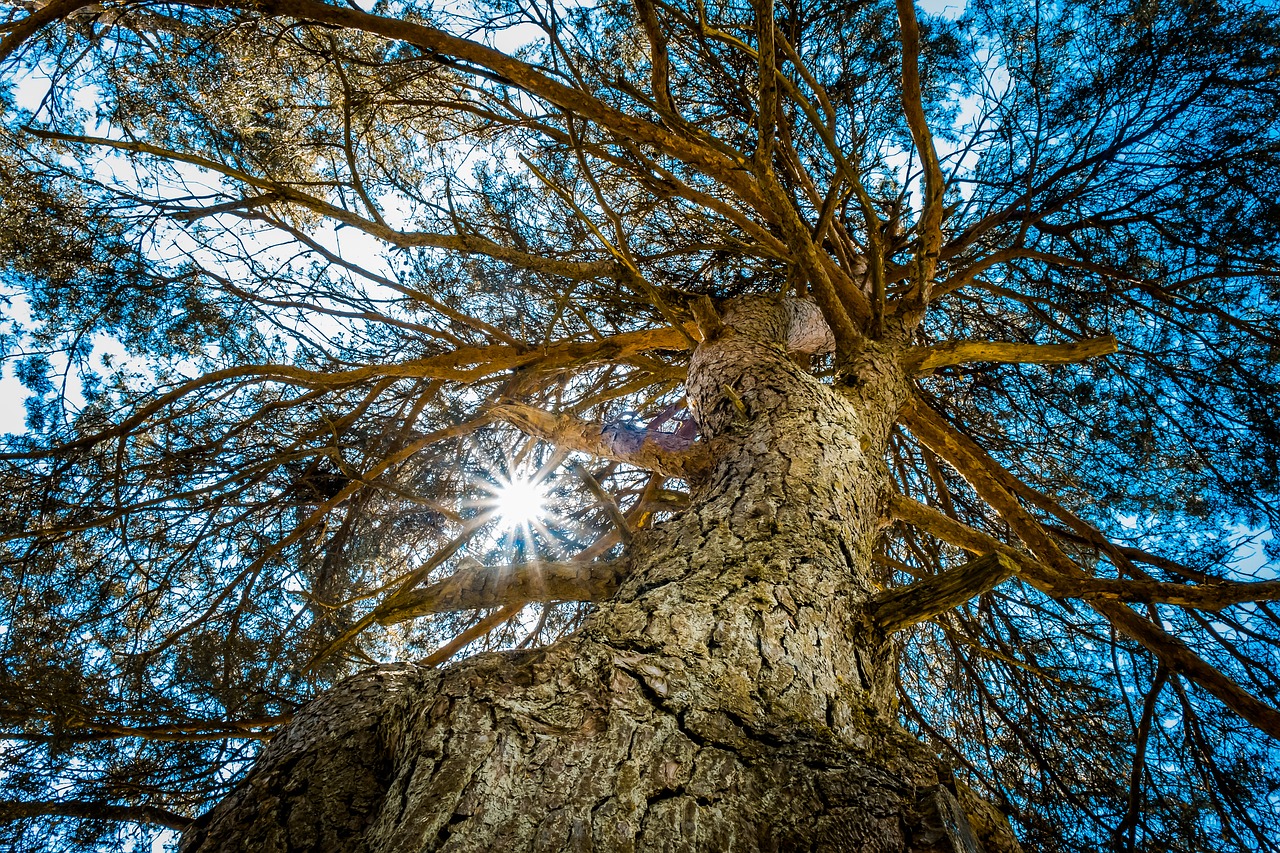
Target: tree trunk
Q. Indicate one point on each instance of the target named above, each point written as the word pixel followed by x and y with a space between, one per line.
pixel 733 695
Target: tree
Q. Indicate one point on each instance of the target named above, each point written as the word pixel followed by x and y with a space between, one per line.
pixel 897 384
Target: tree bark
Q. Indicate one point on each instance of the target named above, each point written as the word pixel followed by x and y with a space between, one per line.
pixel 735 694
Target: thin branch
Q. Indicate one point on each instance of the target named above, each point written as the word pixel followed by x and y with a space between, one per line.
pixel 11 811
pixel 930 227
pixel 470 635
pixel 620 522
pixel 1126 831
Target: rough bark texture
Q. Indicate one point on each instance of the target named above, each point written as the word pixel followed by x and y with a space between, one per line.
pixel 733 695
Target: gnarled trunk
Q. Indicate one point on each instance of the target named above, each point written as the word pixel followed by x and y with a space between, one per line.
pixel 733 695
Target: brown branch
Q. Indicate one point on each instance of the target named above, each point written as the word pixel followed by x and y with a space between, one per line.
pixel 470 635
pixel 11 811
pixel 664 453
pixel 618 247
pixel 982 473
pixel 274 193
pixel 767 115
pixel 659 61
pixel 1054 573
pixel 970 273
pixel 930 228
pixel 477 587
pixel 902 607
pixel 805 254
pixel 260 728
pixel 923 359
pixel 605 500
pixel 24 29
pixel 1125 831
pixel 436 42
pixel 707 318
pixel 238 205
pixel 464 364
pixel 1212 595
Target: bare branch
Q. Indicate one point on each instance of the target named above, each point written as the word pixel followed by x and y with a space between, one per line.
pixel 767 115
pixel 664 453
pixel 930 228
pixel 477 587
pixel 924 359
pixel 902 607
pixel 658 59
pixel 1056 575
pixel 470 635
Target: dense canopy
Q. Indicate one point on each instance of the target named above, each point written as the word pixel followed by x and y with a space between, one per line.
pixel 297 292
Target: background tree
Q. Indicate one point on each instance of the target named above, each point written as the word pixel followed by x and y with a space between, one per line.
pixel 298 290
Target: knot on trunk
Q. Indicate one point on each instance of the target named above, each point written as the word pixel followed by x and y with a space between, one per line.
pixel 807 330
pixel 797 324
pixel 753 338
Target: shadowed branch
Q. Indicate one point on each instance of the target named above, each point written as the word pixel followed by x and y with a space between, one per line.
pixel 10 811
pixel 902 607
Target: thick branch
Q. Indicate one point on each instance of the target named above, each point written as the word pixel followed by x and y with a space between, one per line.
pixel 1206 596
pixel 923 359
pixel 24 29
pixel 469 636
pixel 827 289
pixel 481 587
pixel 661 452
pixel 896 609
pixel 707 318
pixel 464 365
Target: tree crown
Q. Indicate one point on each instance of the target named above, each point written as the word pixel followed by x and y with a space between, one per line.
pixel 306 289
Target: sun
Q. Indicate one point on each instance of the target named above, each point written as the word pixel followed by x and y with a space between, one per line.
pixel 519 502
